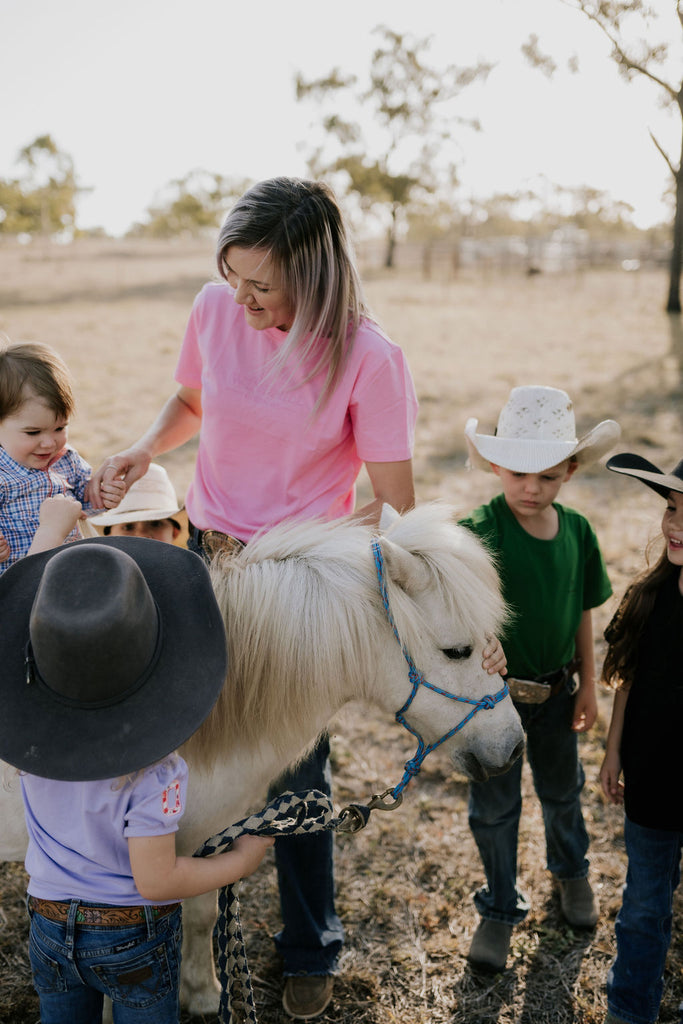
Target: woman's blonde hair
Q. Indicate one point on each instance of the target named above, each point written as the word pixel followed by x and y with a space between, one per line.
pixel 300 226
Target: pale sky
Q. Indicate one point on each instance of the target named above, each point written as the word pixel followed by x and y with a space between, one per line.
pixel 140 92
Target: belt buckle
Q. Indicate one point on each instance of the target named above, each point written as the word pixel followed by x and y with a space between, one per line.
pixel 213 542
pixel 526 691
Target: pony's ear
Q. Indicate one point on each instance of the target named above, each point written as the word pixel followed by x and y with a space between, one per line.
pixel 388 517
pixel 408 571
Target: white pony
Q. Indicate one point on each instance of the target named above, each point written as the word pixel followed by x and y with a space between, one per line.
pixel 307 632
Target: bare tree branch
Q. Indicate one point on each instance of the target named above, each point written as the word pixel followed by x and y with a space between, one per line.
pixel 665 155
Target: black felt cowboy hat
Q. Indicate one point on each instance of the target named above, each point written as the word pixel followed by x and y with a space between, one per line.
pixel 112 653
pixel 641 469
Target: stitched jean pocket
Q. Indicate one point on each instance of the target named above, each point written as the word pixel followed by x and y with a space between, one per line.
pixel 138 981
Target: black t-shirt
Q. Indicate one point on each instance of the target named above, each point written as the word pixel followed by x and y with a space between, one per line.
pixel 651 749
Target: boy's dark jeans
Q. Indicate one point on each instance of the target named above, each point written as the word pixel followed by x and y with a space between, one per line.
pixel 495 807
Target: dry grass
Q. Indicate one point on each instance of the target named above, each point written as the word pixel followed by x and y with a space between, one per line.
pixel 117 312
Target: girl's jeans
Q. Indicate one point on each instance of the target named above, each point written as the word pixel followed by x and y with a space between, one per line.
pixel 643 925
pixel 74 966
pixel 495 807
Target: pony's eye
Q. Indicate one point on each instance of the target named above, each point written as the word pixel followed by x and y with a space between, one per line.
pixel 457 653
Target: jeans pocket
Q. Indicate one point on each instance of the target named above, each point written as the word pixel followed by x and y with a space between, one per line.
pixel 139 981
pixel 47 972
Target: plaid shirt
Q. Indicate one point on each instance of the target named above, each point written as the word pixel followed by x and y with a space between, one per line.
pixel 23 490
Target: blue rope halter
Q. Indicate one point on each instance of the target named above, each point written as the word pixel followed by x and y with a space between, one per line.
pixel 412 767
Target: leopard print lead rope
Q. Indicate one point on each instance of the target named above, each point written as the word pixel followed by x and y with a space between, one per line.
pixel 288 814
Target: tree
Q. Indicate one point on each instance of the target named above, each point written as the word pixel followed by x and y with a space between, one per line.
pixel 411 105
pixel 637 49
pixel 189 205
pixel 42 200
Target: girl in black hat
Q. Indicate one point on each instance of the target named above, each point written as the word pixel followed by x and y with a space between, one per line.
pixel 643 664
pixel 112 653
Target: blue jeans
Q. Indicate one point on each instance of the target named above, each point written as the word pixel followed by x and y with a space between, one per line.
pixel 495 807
pixel 643 925
pixel 312 936
pixel 74 966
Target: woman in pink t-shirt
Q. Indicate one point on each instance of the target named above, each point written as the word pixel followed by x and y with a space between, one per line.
pixel 292 388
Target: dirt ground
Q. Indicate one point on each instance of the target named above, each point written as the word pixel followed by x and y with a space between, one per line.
pixel 116 311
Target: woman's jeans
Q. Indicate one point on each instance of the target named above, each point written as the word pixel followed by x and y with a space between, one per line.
pixel 312 936
pixel 643 925
pixel 75 965
pixel 495 807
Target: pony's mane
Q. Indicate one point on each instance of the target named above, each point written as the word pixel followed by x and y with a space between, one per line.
pixel 304 615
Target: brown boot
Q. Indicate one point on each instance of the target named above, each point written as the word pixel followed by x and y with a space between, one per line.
pixel 306 996
pixel 579 904
pixel 490 945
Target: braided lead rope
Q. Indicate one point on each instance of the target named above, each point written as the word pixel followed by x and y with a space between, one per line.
pixel 412 767
pixel 289 814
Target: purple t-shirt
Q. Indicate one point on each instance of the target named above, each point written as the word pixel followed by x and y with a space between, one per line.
pixel 78 831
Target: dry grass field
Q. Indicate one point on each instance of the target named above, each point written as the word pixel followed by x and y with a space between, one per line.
pixel 116 311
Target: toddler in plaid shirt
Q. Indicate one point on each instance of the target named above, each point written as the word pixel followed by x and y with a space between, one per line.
pixel 36 463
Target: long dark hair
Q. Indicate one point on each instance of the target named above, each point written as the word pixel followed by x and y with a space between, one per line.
pixel 624 631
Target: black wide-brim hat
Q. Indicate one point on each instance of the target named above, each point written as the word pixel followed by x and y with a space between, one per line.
pixel 83 697
pixel 638 467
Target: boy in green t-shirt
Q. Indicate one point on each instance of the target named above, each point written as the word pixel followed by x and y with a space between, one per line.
pixel 552 574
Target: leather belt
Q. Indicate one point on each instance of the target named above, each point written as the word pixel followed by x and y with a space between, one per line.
pixel 106 917
pixel 213 541
pixel 537 691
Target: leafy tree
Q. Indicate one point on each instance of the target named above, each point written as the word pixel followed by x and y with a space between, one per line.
pixel 41 200
pixel 189 205
pixel 413 128
pixel 640 47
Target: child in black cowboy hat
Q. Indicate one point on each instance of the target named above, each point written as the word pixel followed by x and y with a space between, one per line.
pixel 112 653
pixel 643 664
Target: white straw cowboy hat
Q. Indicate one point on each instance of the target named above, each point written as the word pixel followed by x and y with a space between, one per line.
pixel 536 430
pixel 112 653
pixel 641 469
pixel 150 497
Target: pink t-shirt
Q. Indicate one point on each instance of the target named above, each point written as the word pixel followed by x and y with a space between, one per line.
pixel 263 455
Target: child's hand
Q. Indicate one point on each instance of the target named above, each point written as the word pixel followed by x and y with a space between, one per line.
pixel 612 786
pixel 493 657
pixel 251 850
pixel 585 709
pixel 57 518
pixel 112 492
pixel 4 549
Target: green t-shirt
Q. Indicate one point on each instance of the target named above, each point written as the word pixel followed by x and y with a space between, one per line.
pixel 548 584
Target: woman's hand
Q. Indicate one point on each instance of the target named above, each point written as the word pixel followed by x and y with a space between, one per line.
pixel 178 421
pixel 493 658
pixel 117 472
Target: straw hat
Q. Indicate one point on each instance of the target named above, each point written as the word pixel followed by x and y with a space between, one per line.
pixel 641 469
pixel 151 497
pixel 112 653
pixel 536 430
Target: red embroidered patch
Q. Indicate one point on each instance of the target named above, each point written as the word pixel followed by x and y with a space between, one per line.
pixel 170 799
